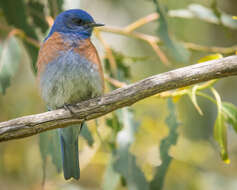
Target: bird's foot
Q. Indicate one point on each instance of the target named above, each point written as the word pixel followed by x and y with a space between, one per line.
pixel 67 107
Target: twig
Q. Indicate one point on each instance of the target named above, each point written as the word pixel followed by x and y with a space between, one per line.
pixel 115 82
pixel 109 53
pixel 213 49
pixel 126 96
pixel 150 38
pixel 140 22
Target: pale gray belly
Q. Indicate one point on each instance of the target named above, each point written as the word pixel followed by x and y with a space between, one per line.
pixel 70 79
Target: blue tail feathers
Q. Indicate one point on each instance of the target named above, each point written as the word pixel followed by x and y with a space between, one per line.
pixel 69 149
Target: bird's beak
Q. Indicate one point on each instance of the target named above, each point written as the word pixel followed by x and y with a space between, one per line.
pixel 93 24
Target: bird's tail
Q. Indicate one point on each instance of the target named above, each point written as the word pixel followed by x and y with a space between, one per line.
pixel 69 149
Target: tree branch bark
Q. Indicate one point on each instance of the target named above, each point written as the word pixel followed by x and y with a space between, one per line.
pixel 126 96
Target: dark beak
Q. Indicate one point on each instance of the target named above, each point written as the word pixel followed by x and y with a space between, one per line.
pixel 93 24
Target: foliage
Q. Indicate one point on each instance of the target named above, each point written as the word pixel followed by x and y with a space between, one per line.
pixel 122 139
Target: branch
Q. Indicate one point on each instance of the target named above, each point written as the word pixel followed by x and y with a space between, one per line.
pixel 126 96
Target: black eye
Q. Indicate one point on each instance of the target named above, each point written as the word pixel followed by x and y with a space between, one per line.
pixel 78 21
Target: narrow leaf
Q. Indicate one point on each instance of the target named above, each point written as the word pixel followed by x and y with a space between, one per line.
pixel 220 131
pixel 86 134
pixel 220 135
pixel 35 10
pixel 9 61
pixel 50 146
pixel 171 140
pixel 125 162
pixel 55 7
pixel 111 177
pixel 176 49
pixel 230 112
pixel 210 57
pixel 16 15
pixel 193 98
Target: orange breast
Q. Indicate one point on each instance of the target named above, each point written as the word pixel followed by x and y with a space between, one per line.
pixel 50 50
pixel 88 50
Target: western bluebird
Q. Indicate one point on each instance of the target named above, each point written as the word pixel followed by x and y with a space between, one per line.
pixel 69 71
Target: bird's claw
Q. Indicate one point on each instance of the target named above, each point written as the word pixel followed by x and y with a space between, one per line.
pixel 67 107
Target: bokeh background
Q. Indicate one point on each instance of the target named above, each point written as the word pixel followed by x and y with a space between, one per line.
pixel 196 163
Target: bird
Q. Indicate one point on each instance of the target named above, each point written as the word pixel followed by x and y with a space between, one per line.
pixel 69 71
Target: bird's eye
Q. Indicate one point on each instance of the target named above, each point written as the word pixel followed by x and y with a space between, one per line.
pixel 78 21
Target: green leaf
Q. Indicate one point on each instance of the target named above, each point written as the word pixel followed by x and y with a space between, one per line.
pixel 205 14
pixel 9 61
pixel 111 177
pixel 125 162
pixel 123 70
pixel 35 10
pixel 176 49
pixel 166 143
pixel 220 135
pixel 230 113
pixel 55 7
pixel 220 131
pixel 15 14
pixel 49 143
pixel 193 98
pixel 86 134
pixel 210 57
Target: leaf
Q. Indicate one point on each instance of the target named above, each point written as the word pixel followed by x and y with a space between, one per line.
pixel 228 21
pixel 55 7
pixel 123 70
pixel 49 143
pixel 9 61
pixel 166 143
pixel 111 177
pixel 35 10
pixel 193 98
pixel 203 13
pixel 220 135
pixel 210 57
pixel 125 162
pixel 176 49
pixel 86 134
pixel 15 14
pixel 206 14
pixel 220 132
pixel 230 113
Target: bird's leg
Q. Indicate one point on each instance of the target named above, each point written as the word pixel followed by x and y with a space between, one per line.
pixel 67 107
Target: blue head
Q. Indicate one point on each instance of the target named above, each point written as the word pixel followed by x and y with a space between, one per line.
pixel 74 21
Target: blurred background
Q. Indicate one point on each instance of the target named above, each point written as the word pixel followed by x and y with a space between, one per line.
pixel 196 29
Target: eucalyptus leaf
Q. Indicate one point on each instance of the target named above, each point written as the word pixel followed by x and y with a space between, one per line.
pixel 9 61
pixel 111 177
pixel 176 49
pixel 49 143
pixel 220 131
pixel 86 134
pixel 230 112
pixel 220 135
pixel 55 7
pixel 169 141
pixel 125 162
pixel 16 15
pixel 35 10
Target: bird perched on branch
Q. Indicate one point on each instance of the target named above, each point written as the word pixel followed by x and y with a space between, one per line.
pixel 69 71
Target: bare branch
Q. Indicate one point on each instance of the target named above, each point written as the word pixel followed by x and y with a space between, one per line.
pixel 126 96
